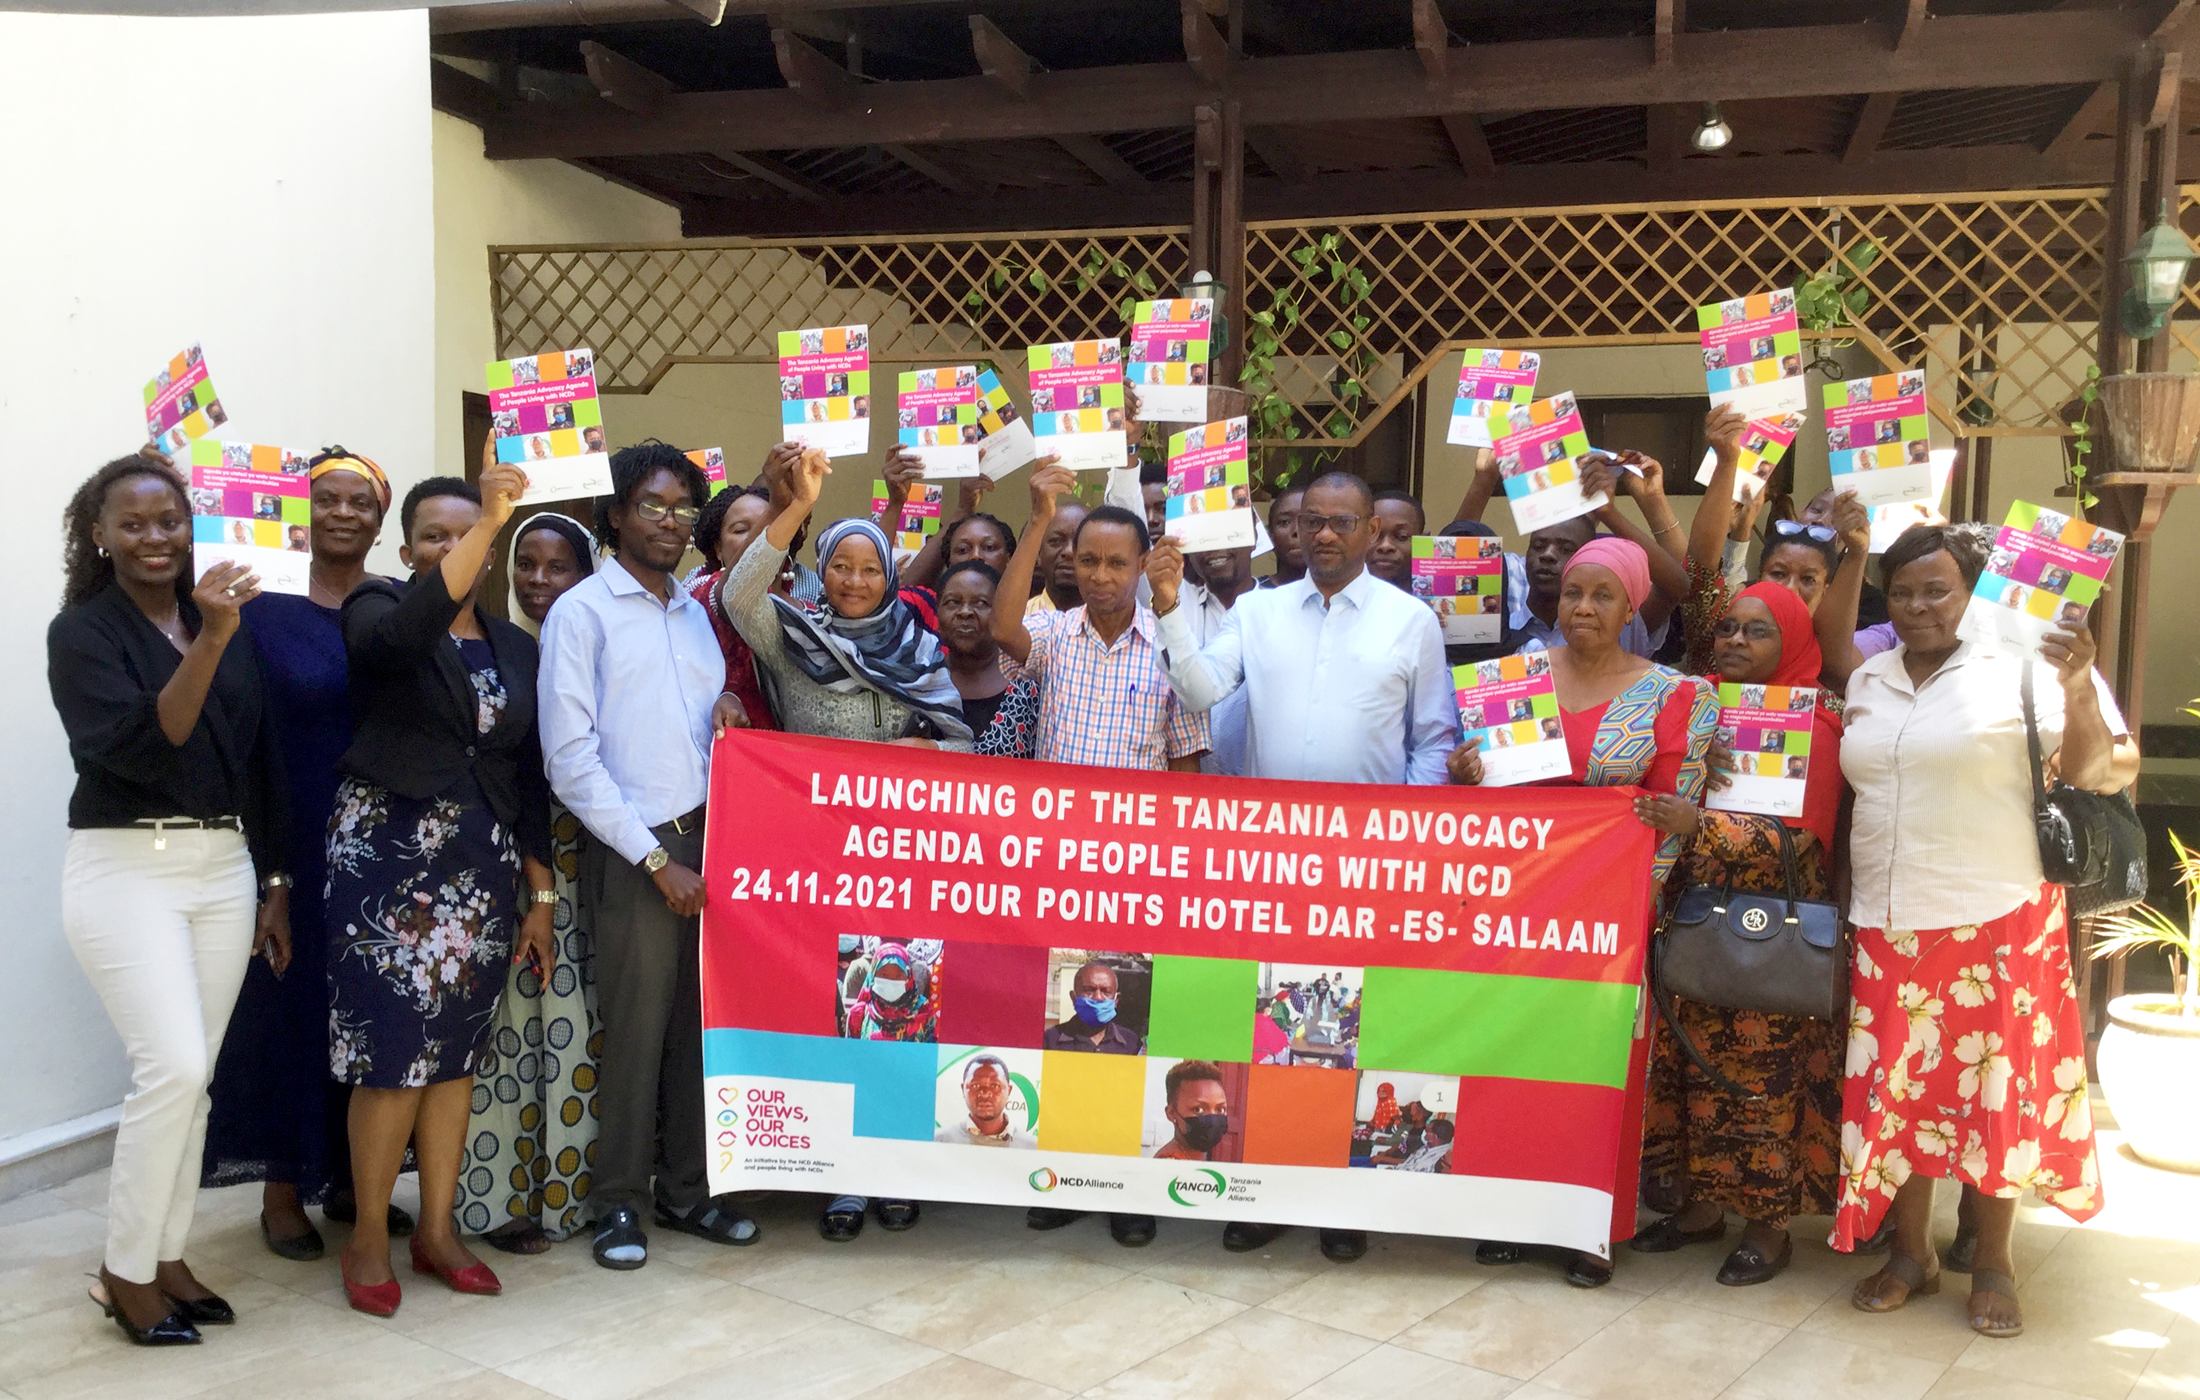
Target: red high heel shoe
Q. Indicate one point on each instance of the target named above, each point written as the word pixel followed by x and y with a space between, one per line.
pixel 474 1278
pixel 373 1299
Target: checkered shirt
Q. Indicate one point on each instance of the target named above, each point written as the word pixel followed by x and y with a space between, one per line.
pixel 1107 706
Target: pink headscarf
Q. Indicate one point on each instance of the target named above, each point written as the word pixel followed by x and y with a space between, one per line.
pixel 1624 558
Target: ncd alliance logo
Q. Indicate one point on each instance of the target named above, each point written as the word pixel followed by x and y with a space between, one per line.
pixel 1045 1179
pixel 1201 1186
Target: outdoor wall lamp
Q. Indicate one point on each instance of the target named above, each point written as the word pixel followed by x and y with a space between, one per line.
pixel 1203 286
pixel 2157 263
pixel 1712 133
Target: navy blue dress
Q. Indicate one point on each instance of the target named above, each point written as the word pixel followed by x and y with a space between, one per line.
pixel 277 1115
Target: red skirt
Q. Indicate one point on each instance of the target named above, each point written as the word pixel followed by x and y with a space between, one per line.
pixel 1966 1060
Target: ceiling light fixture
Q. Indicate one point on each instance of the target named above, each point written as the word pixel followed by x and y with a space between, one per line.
pixel 1712 133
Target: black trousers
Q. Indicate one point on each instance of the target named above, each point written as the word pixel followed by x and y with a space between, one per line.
pixel 649 1091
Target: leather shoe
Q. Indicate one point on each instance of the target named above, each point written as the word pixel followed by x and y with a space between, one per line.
pixel 1048 1218
pixel 1665 1236
pixel 373 1299
pixel 1499 1252
pixel 174 1330
pixel 1588 1271
pixel 211 1311
pixel 1344 1246
pixel 1748 1265
pixel 1132 1231
pixel 621 1230
pixel 303 1248
pixel 474 1278
pixel 1243 1236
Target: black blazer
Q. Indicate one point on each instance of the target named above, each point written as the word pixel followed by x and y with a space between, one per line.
pixel 414 708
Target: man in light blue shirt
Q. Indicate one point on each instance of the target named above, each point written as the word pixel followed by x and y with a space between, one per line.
pixel 629 694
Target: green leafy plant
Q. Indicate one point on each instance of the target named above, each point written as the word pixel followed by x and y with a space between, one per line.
pixel 2081 437
pixel 1326 279
pixel 1836 298
pixel 2148 927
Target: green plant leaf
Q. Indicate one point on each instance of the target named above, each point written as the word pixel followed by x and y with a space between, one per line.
pixel 976 298
pixel 1341 339
pixel 1329 243
pixel 1262 318
pixel 1116 269
pixel 1856 301
pixel 1080 284
pixel 1038 280
pixel 1130 305
pixel 1359 323
pixel 1143 281
pixel 1304 257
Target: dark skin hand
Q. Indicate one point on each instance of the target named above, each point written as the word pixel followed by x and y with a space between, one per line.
pixel 1834 619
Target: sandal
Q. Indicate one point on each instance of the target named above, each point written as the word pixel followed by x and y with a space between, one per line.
pixel 708 1220
pixel 1903 1270
pixel 1989 1281
pixel 843 1219
pixel 896 1215
pixel 518 1237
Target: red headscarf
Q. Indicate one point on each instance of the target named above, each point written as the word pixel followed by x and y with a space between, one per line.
pixel 1800 664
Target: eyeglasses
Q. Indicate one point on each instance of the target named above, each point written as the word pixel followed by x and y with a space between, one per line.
pixel 1824 534
pixel 1755 631
pixel 1311 524
pixel 654 511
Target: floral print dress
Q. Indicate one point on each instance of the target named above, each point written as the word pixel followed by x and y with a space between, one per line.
pixel 423 903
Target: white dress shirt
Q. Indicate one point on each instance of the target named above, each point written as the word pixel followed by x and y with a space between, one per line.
pixel 1351 690
pixel 1942 834
pixel 625 695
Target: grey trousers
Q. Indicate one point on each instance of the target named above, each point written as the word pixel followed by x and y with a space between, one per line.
pixel 649 1091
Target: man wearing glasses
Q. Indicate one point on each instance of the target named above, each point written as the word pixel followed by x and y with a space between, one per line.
pixel 630 692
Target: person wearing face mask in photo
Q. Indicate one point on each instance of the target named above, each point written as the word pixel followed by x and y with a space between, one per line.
pixel 1198 1108
pixel 1093 1028
pixel 896 1002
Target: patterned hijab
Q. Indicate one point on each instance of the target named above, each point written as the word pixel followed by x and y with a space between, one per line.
pixel 889 650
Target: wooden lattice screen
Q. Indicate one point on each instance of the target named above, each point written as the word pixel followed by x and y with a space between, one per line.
pixel 1997 294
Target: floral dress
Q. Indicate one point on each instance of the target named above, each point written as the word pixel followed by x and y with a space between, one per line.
pixel 422 900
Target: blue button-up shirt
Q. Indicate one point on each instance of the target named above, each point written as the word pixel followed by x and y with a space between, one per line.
pixel 1349 690
pixel 625 695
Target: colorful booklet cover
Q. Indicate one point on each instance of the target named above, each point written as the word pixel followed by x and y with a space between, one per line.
pixel 1539 451
pixel 544 412
pixel 1491 384
pixel 1509 709
pixel 1753 354
pixel 1888 522
pixel 1764 442
pixel 713 462
pixel 1463 578
pixel 249 504
pixel 1210 501
pixel 1768 728
pixel 825 388
pixel 920 516
pixel 2045 572
pixel 959 422
pixel 180 403
pixel 1875 438
pixel 1169 358
pixel 1077 403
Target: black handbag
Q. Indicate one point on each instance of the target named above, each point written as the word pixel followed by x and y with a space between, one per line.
pixel 1748 951
pixel 2090 843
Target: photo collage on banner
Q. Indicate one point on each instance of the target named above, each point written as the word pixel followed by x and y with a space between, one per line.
pixel 1753 354
pixel 249 504
pixel 920 516
pixel 180 405
pixel 1508 708
pixel 713 462
pixel 1169 358
pixel 1210 501
pixel 1764 442
pixel 2044 575
pixel 825 388
pixel 1077 403
pixel 1463 578
pixel 545 416
pixel 1768 728
pixel 1491 384
pixel 1875 438
pixel 960 422
pixel 1539 452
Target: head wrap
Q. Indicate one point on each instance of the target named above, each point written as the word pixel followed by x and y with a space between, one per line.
pixel 342 459
pixel 1800 664
pixel 871 1017
pixel 565 527
pixel 888 650
pixel 1624 558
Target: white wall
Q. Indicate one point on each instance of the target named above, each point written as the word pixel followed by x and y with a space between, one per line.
pixel 262 186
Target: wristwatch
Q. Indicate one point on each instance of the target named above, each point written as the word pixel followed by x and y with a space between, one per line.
pixel 656 860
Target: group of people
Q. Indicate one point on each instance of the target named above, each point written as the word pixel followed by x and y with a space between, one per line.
pixel 372 874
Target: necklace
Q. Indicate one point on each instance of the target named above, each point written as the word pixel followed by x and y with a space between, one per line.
pixel 172 629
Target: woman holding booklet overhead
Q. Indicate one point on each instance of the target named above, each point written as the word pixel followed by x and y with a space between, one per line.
pixel 1627 722
pixel 1768 1154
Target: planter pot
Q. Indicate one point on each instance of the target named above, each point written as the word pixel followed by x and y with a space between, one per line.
pixel 2150 1071
pixel 2153 420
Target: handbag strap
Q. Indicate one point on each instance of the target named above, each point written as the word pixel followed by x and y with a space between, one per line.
pixel 1663 1000
pixel 2032 741
pixel 1787 865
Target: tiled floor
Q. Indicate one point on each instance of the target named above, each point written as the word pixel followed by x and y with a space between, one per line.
pixel 971 1304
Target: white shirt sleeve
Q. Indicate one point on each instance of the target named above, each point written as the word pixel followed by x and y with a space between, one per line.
pixel 565 700
pixel 1201 678
pixel 1432 728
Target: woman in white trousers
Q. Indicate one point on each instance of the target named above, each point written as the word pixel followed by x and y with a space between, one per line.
pixel 173 877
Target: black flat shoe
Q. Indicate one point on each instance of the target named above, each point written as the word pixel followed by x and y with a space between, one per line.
pixel 1748 1265
pixel 211 1311
pixel 895 1215
pixel 1665 1236
pixel 710 1219
pixel 1344 1246
pixel 303 1248
pixel 174 1330
pixel 1047 1218
pixel 1132 1231
pixel 1499 1252
pixel 1588 1271
pixel 1243 1236
pixel 342 1207
pixel 840 1226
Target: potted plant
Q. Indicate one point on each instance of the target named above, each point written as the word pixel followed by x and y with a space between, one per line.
pixel 2150 1053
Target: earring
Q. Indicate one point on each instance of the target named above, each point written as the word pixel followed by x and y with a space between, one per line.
pixel 102 550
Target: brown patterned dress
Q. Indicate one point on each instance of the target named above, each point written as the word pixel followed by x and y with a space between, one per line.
pixel 1766 1159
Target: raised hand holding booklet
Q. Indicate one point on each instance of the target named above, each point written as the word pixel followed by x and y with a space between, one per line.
pixel 1210 502
pixel 1077 403
pixel 1875 438
pixel 1768 727
pixel 1170 342
pixel 1509 709
pixel 1764 443
pixel 1539 451
pixel 180 403
pixel 825 388
pixel 1753 354
pixel 249 505
pixel 920 516
pixel 545 415
pixel 1463 578
pixel 1491 384
pixel 959 422
pixel 2045 572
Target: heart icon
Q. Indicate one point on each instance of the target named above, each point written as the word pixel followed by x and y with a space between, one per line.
pixel 727 1094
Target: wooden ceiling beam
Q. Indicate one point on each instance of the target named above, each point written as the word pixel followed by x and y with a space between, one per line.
pixel 624 83
pixel 1870 128
pixel 951 181
pixel 814 77
pixel 1913 24
pixel 1281 153
pixel 1954 51
pixel 1100 158
pixel 1471 145
pixel 1672 20
pixel 999 58
pixel 2087 117
pixel 1205 49
pixel 457 93
pixel 1432 39
pixel 780 177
